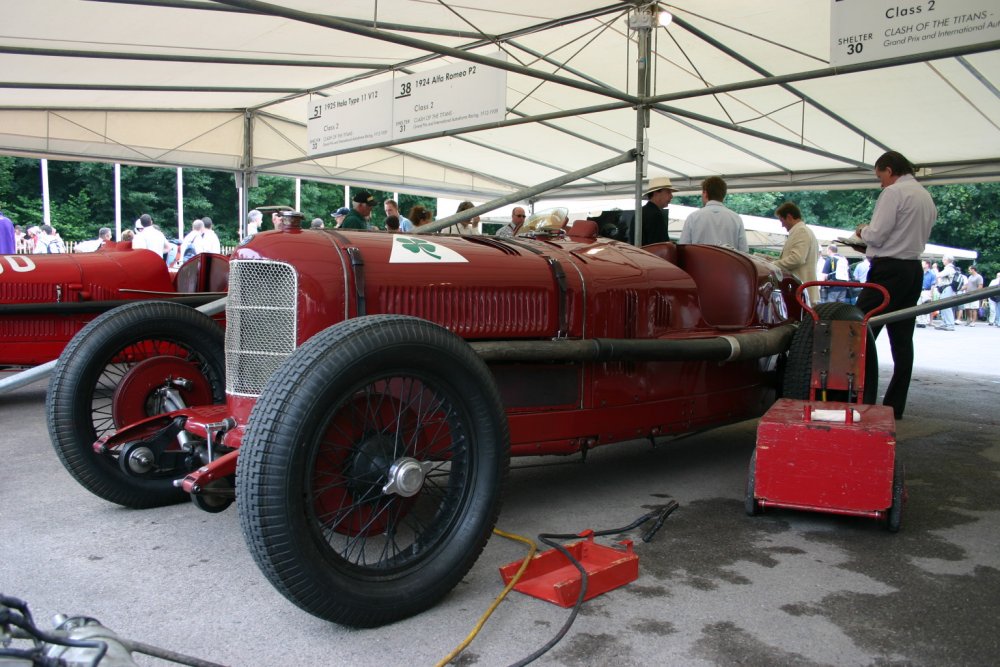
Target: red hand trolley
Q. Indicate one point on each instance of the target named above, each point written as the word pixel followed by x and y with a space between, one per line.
pixel 821 455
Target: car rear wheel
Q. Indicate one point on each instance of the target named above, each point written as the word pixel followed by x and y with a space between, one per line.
pixel 370 475
pixel 108 377
pixel 798 365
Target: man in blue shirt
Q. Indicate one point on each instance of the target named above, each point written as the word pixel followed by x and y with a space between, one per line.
pixel 392 208
pixel 926 293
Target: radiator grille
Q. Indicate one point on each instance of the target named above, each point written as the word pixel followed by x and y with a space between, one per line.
pixel 260 323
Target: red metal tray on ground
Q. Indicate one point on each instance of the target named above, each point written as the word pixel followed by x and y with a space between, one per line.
pixel 551 576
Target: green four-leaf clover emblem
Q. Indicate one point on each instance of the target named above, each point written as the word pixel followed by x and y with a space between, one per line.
pixel 417 246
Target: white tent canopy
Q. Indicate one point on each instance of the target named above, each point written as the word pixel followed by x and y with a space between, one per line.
pixel 225 85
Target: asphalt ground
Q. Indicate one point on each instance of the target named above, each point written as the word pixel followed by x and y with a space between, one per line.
pixel 715 587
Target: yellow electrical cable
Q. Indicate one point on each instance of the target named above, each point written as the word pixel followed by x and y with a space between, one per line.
pixel 532 548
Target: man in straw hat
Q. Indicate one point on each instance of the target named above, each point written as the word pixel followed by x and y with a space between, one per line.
pixel 659 192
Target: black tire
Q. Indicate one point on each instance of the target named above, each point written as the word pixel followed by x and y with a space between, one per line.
pixel 92 392
pixel 750 503
pixel 798 365
pixel 354 401
pixel 894 518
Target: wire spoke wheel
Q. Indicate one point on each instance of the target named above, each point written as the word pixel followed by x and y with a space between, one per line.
pixel 108 378
pixel 369 500
pixel 389 475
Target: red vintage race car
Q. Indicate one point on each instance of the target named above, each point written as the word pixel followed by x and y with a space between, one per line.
pixel 364 400
pixel 46 299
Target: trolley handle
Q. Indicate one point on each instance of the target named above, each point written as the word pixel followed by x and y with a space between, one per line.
pixel 841 283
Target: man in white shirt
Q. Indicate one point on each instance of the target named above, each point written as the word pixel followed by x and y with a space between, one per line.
pixel 994 304
pixel 835 268
pixel 210 240
pixel 471 226
pixel 150 238
pixel 48 241
pixel 191 245
pixel 714 224
pixel 943 285
pixel 254 218
pixel 798 255
pixel 896 236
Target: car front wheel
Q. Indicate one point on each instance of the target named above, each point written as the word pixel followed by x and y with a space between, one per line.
pixel 370 475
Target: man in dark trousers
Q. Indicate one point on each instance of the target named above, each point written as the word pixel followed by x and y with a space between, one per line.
pixel 896 236
pixel 659 192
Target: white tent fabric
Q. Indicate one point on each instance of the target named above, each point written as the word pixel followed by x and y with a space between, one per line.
pixel 225 85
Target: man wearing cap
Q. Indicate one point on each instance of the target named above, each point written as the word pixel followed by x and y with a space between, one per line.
pixel 339 215
pixel 714 224
pixel 358 217
pixel 659 192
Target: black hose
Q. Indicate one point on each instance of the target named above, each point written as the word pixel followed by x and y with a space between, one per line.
pixel 660 514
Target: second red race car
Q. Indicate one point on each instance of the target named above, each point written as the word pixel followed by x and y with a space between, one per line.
pixel 46 299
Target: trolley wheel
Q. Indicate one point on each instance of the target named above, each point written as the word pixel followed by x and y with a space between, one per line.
pixel 894 518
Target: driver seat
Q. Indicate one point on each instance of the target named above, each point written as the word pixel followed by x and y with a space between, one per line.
pixel 206 272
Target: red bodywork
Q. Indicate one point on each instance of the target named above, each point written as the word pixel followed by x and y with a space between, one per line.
pixel 46 299
pixel 573 287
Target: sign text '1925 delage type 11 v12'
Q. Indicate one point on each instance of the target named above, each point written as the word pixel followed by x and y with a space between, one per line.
pixel 364 399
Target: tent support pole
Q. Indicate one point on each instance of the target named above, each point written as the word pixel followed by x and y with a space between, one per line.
pixel 326 21
pixel 246 171
pixel 732 53
pixel 641 20
pixel 526 193
pixel 570 113
pixel 810 75
pixel 708 120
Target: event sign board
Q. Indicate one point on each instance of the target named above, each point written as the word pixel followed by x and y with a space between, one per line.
pixel 349 120
pixel 446 98
pixel 864 30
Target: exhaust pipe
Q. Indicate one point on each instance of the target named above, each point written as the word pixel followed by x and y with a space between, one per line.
pixel 735 347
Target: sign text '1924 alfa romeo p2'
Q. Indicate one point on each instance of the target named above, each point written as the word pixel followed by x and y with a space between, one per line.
pixel 367 393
